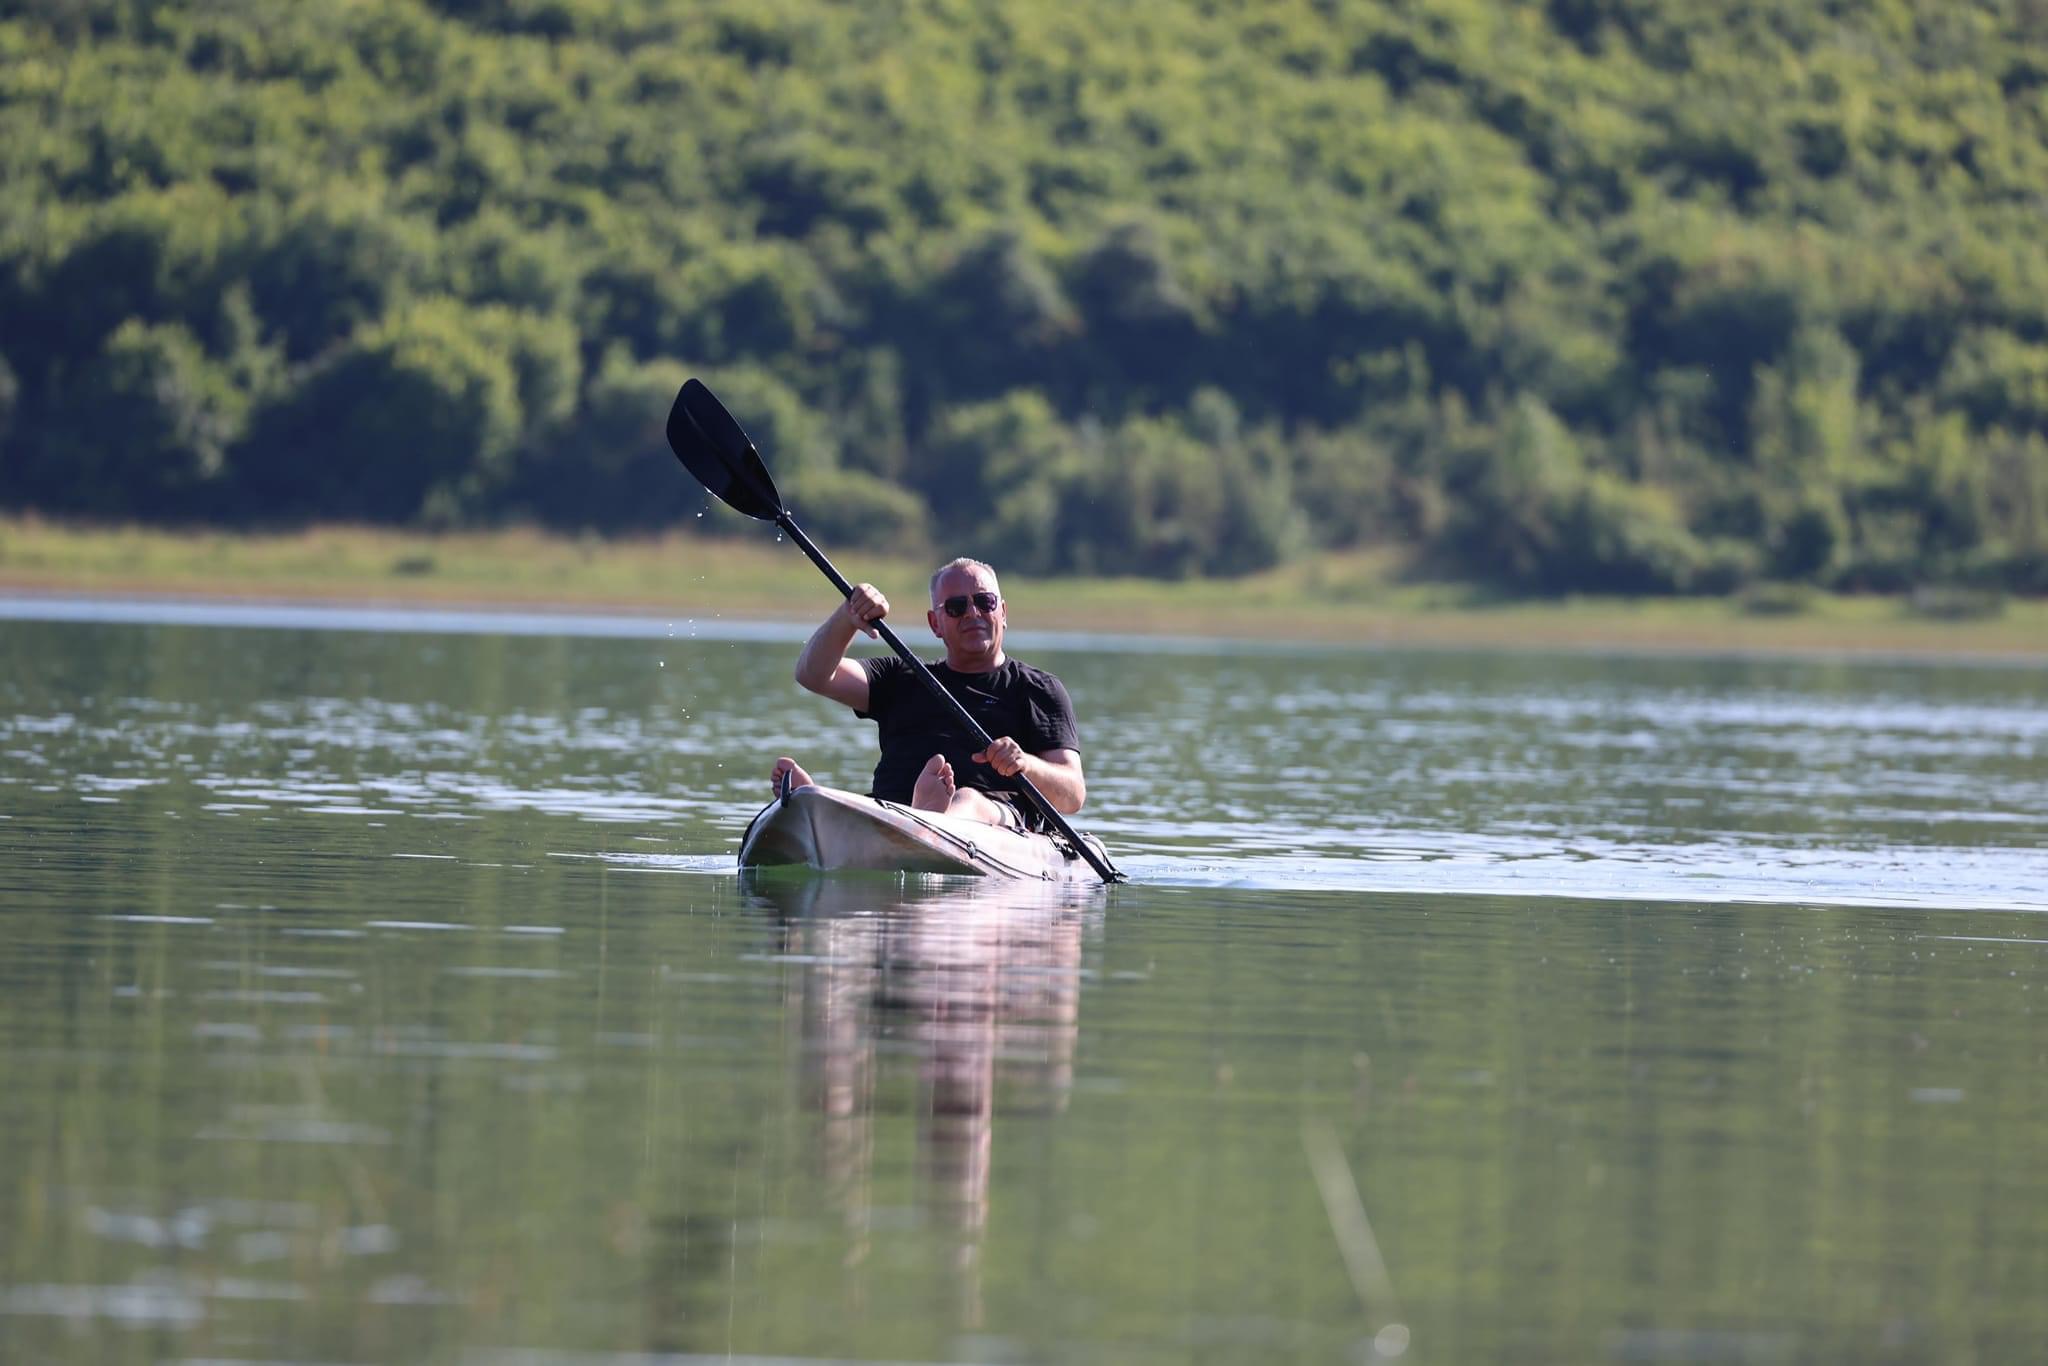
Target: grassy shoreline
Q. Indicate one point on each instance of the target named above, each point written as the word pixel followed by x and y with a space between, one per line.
pixel 1341 598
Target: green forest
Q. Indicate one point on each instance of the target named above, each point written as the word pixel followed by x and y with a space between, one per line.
pixel 1646 296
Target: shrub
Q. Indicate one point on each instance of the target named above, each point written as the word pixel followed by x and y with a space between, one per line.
pixel 1345 482
pixel 1808 537
pixel 333 266
pixel 10 396
pixel 975 453
pixel 849 507
pixel 1616 537
pixel 610 465
pixel 418 416
pixel 791 436
pixel 145 425
pixel 1999 380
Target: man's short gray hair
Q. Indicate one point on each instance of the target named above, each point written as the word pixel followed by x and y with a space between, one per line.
pixel 964 562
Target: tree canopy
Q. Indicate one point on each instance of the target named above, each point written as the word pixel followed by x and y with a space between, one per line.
pixel 1585 294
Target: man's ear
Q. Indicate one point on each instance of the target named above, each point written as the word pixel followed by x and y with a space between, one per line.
pixel 931 619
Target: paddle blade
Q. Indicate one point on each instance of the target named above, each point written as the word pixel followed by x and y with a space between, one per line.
pixel 711 446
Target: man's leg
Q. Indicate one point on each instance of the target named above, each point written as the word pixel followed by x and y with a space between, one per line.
pixel 936 791
pixel 980 806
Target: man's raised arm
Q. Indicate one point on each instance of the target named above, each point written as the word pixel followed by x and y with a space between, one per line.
pixel 823 667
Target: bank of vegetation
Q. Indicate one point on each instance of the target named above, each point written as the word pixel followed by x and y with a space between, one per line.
pixel 689 581
pixel 1642 296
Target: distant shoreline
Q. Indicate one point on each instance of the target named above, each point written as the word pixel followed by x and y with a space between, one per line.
pixel 1322 600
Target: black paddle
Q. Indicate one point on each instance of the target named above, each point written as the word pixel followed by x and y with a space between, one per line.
pixel 712 447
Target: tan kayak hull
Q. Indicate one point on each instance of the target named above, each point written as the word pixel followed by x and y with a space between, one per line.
pixel 833 831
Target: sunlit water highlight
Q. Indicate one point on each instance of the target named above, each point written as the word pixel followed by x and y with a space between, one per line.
pixel 1589 776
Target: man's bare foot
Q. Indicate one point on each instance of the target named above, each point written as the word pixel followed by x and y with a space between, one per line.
pixel 933 790
pixel 797 777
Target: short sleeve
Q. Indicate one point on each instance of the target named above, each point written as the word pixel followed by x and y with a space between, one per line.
pixel 885 680
pixel 1053 713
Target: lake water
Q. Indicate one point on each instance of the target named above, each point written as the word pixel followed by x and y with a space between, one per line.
pixel 379 988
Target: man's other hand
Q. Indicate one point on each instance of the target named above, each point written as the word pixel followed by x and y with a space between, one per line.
pixel 1005 756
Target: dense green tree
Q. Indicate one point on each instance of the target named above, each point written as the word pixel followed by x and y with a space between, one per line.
pixel 417 417
pixel 608 464
pixel 149 421
pixel 854 507
pixel 1623 294
pixel 1005 468
pixel 10 396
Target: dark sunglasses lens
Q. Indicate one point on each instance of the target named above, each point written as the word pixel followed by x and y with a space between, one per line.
pixel 987 602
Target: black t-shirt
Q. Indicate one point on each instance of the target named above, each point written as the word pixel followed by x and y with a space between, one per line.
pixel 1027 704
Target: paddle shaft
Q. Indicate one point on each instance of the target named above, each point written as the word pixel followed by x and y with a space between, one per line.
pixel 938 689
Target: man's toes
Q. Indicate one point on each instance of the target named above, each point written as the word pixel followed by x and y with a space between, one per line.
pixel 788 772
pixel 934 786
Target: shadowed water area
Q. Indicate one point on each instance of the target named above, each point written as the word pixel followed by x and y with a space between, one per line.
pixel 380 988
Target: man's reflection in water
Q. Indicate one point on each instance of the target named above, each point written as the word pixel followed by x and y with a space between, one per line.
pixel 980 985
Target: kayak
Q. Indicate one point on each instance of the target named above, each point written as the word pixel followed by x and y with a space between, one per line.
pixel 834 831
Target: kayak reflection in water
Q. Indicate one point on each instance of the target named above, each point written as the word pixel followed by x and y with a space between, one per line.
pixel 970 986
pixel 928 760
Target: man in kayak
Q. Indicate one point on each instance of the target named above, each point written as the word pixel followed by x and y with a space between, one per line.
pixel 928 761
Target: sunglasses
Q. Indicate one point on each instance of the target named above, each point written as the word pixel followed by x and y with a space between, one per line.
pixel 984 602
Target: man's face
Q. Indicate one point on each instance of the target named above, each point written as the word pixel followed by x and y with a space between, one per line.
pixel 975 636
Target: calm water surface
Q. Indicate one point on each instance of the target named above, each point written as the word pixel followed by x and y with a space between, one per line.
pixel 376 993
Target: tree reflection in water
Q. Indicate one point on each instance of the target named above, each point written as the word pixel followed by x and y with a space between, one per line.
pixel 979 983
